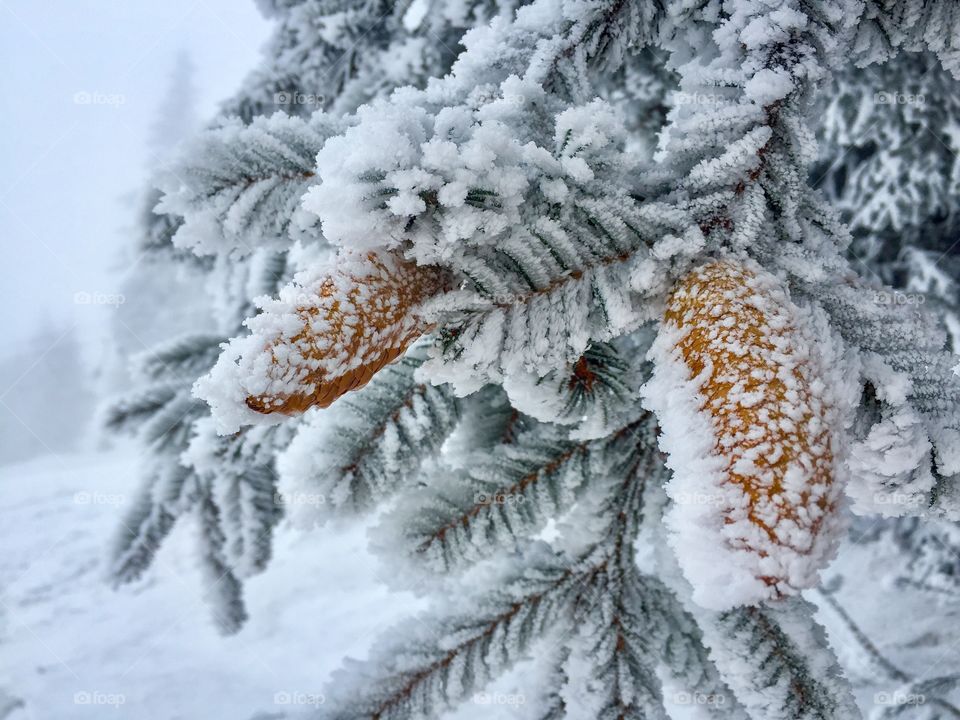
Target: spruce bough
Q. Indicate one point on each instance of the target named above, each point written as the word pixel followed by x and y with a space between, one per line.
pixel 593 244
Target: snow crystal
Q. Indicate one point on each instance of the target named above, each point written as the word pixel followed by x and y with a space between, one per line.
pixel 386 139
pixel 767 86
pixel 890 468
pixel 224 388
pixel 772 28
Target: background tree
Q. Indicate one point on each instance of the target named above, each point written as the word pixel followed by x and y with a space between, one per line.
pixel 49 371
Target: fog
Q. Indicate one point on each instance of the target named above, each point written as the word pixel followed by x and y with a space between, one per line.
pixel 87 92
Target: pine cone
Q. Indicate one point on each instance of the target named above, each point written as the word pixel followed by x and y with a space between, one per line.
pixel 745 390
pixel 355 321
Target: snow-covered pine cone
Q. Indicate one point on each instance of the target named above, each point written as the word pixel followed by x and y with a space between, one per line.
pixel 324 336
pixel 747 426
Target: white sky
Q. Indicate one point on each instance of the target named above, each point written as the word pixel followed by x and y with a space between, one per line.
pixel 69 171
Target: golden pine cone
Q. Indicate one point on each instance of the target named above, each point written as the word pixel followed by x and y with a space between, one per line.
pixel 359 318
pixel 748 355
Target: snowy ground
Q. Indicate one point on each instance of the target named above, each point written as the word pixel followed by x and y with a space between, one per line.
pixel 70 647
pixel 73 648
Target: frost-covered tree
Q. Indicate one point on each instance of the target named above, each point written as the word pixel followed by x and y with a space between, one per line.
pixel 568 292
pixel 48 370
pixel 161 286
pixel 890 165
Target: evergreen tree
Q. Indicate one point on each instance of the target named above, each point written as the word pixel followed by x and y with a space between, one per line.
pixel 608 339
pixel 162 287
pixel 47 371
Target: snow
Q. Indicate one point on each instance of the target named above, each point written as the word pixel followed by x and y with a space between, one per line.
pixel 251 199
pixel 151 648
pixel 890 468
pixel 767 86
pixel 740 156
pixel 772 28
pixel 387 139
pixel 698 490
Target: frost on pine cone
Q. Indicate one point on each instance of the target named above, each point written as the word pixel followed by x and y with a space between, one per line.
pixel 747 426
pixel 327 334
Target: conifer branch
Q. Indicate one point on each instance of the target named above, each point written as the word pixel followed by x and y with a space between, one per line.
pixel 374 443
